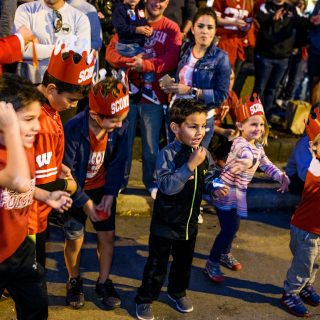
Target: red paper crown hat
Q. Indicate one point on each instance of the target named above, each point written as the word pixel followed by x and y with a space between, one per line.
pixel 67 70
pixel 313 125
pixel 249 108
pixel 113 103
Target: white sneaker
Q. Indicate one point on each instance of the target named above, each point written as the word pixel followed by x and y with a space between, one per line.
pixel 153 192
pixel 200 218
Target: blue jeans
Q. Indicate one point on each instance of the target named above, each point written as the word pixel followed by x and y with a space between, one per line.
pixel 151 117
pixel 229 224
pixel 268 75
pixel 305 247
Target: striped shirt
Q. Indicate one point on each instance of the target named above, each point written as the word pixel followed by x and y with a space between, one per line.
pixel 238 183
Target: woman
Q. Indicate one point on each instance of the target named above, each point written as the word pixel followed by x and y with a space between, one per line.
pixel 203 72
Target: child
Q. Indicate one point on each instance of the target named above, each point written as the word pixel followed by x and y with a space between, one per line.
pixel 132 28
pixel 247 150
pixel 96 152
pixel 184 170
pixel 305 235
pixel 19 272
pixel 65 82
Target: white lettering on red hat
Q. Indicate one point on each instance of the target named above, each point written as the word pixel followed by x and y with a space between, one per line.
pixel 256 108
pixel 85 74
pixel 120 104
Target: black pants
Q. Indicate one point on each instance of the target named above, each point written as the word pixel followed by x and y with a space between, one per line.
pixel 156 268
pixel 22 277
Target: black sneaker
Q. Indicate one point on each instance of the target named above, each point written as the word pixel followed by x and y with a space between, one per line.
pixel 144 311
pixel 183 304
pixel 108 294
pixel 75 296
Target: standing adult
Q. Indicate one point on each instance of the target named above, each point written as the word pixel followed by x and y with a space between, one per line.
pixel 278 22
pixel 204 70
pixel 162 50
pixel 50 20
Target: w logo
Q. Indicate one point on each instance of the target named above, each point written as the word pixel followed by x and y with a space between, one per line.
pixel 43 159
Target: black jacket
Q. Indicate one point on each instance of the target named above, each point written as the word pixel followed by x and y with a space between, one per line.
pixel 276 39
pixel 177 206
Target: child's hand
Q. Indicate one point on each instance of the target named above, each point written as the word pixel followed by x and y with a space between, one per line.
pixel 8 118
pixel 89 209
pixel 239 165
pixel 144 30
pixel 105 204
pixel 59 200
pixel 196 158
pixel 285 181
pixel 65 172
pixel 221 192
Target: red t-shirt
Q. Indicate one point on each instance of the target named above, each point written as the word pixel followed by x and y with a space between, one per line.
pixel 49 150
pixel 96 170
pixel 14 211
pixel 307 215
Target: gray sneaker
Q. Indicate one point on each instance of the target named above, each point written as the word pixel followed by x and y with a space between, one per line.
pixel 144 311
pixel 183 304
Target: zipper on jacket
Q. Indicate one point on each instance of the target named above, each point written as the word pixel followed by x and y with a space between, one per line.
pixel 192 203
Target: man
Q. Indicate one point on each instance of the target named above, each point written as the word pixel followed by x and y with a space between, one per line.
pixel 162 52
pixel 11 47
pixel 50 20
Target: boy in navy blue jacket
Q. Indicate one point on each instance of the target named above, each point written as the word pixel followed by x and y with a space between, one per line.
pixel 96 151
pixel 184 169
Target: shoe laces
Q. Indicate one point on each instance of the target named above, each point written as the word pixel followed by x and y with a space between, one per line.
pixel 231 259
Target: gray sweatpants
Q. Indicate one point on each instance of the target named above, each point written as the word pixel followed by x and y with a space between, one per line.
pixel 305 247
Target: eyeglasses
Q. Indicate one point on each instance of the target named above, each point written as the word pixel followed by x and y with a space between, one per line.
pixel 57 23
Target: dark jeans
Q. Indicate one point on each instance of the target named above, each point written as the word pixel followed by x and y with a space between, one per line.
pixel 268 75
pixel 229 224
pixel 22 277
pixel 156 268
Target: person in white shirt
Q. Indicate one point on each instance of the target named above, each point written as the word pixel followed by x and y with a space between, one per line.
pixel 50 21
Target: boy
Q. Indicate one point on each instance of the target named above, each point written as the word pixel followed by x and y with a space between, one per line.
pixel 19 123
pixel 132 28
pixel 65 82
pixel 305 234
pixel 96 152
pixel 184 169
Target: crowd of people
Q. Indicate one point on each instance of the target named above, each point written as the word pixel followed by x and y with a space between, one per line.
pixel 170 67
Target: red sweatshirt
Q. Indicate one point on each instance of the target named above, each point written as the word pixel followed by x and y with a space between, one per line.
pixel 10 50
pixel 162 49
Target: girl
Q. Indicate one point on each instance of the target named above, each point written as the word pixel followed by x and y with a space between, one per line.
pixel 247 150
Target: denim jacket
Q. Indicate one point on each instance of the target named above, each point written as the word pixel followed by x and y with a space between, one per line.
pixel 77 152
pixel 211 74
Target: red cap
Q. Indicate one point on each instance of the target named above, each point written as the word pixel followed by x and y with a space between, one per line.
pixel 313 125
pixel 249 108
pixel 67 70
pixel 113 103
